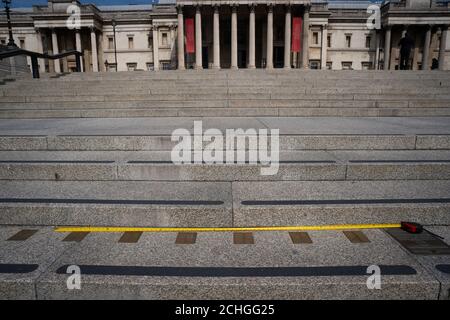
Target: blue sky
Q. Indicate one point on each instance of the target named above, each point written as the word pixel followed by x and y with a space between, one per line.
pixel 29 3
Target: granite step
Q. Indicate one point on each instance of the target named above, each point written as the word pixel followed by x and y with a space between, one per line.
pixel 223 112
pixel 329 202
pixel 116 203
pixel 165 143
pixel 219 204
pixel 286 170
pixel 212 266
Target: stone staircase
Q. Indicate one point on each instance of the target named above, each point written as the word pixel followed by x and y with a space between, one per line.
pixel 229 94
pixel 95 150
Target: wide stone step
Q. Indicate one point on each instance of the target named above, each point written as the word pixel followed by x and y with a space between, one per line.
pixel 225 112
pixel 213 266
pixel 87 89
pixel 286 142
pixel 157 170
pixel 432 126
pixel 219 204
pixel 73 100
pixel 116 203
pixel 328 202
pixel 338 156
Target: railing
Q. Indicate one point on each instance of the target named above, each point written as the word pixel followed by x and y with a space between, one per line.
pixel 35 55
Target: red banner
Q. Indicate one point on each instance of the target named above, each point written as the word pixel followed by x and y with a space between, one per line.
pixel 297 24
pixel 190 35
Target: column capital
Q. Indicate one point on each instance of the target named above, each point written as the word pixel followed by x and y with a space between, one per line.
pixel 179 8
pixel 444 27
pixel 37 30
pixel 287 7
pixel 198 7
pixel 270 6
pixel 252 7
pixel 234 7
pixel 216 7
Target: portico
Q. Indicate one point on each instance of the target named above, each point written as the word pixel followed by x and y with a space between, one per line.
pixel 426 22
pixel 242 34
pixel 54 36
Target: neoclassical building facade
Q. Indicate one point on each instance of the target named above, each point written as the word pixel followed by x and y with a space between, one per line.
pixel 204 34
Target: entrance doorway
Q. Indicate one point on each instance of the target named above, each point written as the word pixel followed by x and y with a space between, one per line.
pixel 242 59
pixel 205 57
pixel 278 57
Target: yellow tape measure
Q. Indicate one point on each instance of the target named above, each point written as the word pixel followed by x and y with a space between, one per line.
pixel 229 229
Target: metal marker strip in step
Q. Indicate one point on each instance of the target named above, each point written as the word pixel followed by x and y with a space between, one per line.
pixel 399 161
pixel 57 161
pixel 75 237
pixel 130 237
pixel 17 268
pixel 323 271
pixel 300 238
pixel 22 235
pixel 186 238
pixel 445 268
pixel 111 201
pixel 246 162
pixel 341 202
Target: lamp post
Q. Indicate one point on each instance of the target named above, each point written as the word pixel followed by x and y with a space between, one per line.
pixel 8 19
pixel 114 23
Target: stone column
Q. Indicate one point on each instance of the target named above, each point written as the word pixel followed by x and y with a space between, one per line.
pixel 426 49
pixel 55 51
pixel 323 52
pixel 442 47
pixel 78 45
pixel 155 48
pixel 94 50
pixel 198 38
pixel 234 44
pixel 387 48
pixel 180 39
pixel 216 40
pixel 377 50
pixel 40 49
pixel 251 38
pixel 305 42
pixel 269 45
pixel 287 38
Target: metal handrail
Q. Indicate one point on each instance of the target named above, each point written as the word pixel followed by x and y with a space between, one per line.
pixel 35 55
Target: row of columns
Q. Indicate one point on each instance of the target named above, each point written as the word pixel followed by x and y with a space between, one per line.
pixel 234 38
pixel 78 47
pixel 426 48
